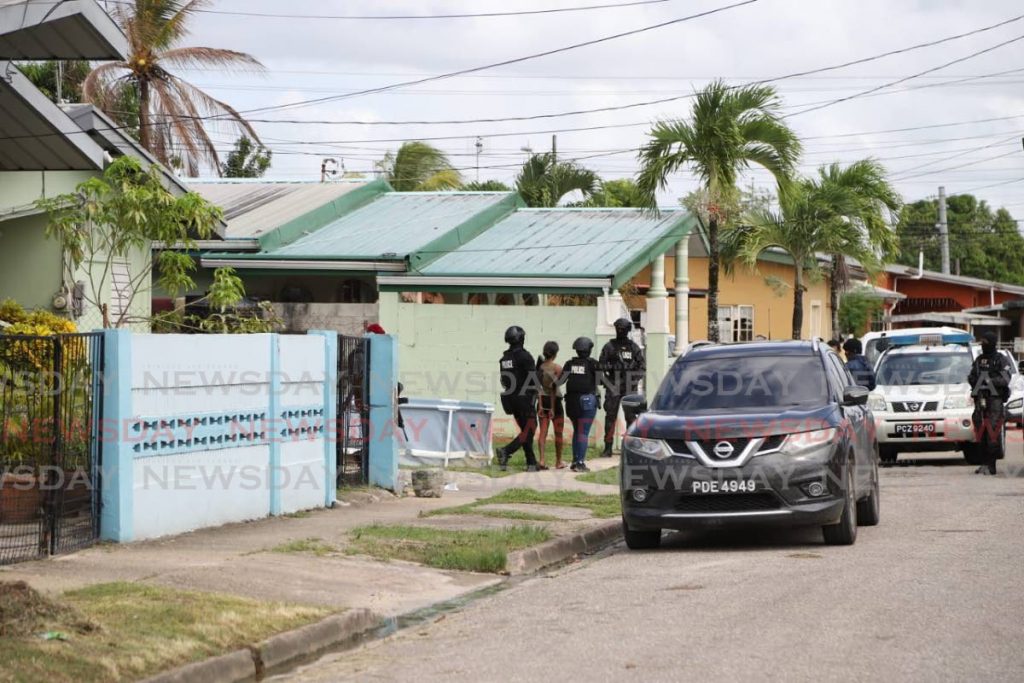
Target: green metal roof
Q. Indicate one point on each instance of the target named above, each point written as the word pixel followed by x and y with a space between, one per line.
pixel 395 225
pixel 570 243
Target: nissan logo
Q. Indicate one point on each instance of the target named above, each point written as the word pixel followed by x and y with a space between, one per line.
pixel 723 450
pixel 914 407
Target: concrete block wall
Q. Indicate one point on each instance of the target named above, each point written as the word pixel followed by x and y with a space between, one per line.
pixel 201 430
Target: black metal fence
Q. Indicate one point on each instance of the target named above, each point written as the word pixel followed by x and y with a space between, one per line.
pixel 353 410
pixel 50 414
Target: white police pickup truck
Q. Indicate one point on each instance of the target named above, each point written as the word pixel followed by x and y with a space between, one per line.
pixel 922 399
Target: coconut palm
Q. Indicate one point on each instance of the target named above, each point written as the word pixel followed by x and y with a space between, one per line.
pixel 805 227
pixel 871 203
pixel 730 129
pixel 419 167
pixel 485 186
pixel 172 112
pixel 544 181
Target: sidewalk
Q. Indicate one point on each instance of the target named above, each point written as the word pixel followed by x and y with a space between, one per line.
pixel 238 559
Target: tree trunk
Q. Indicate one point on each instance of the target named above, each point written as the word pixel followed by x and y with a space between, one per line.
pixel 713 265
pixel 833 293
pixel 798 302
pixel 144 133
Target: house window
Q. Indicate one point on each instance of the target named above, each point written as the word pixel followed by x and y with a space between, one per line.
pixel 736 323
pixel 815 319
pixel 120 290
pixel 878 320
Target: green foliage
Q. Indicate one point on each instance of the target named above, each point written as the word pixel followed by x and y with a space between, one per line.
pixel 856 310
pixel 486 186
pixel 987 243
pixel 730 129
pixel 113 217
pixel 544 181
pixel 622 193
pixel 124 104
pixel 419 167
pixel 246 160
pixel 229 321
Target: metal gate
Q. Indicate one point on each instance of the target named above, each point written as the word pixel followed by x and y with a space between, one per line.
pixel 50 413
pixel 353 444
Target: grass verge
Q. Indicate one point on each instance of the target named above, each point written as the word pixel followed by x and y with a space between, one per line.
pixel 600 505
pixel 609 476
pixel 306 545
pixel 483 550
pixel 127 631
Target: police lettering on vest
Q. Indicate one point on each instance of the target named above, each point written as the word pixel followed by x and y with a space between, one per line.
pixel 578 370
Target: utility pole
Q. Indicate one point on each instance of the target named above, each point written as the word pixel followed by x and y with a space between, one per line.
pixel 60 79
pixel 479 149
pixel 943 230
pixel 554 147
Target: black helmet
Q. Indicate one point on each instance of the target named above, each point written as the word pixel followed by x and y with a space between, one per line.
pixel 623 324
pixel 583 345
pixel 515 335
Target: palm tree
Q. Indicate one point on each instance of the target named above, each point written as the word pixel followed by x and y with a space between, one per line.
pixel 730 129
pixel 544 181
pixel 172 112
pixel 622 193
pixel 485 186
pixel 419 167
pixel 873 205
pixel 806 226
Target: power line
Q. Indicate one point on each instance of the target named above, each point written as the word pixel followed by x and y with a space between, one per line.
pixel 507 62
pixel 413 17
pixel 905 78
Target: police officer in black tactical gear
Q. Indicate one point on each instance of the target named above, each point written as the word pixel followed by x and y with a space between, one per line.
pixel 623 366
pixel 519 396
pixel 990 387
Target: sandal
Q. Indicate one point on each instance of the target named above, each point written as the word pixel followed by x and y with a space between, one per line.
pixel 541 468
pixel 561 466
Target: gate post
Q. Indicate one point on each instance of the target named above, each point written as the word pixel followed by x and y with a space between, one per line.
pixel 116 458
pixel 332 430
pixel 381 430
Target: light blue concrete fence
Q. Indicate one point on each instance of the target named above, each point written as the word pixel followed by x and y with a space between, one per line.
pixel 203 430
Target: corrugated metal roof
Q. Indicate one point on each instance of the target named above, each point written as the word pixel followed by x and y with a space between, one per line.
pixel 560 242
pixel 254 209
pixel 55 29
pixel 393 225
pixel 35 135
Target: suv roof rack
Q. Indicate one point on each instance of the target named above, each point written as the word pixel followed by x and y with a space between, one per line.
pixel 696 345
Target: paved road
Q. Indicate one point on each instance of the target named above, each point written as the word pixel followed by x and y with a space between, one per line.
pixel 936 592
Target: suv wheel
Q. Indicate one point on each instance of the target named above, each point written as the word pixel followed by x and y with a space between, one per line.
pixel 641 540
pixel 887 454
pixel 845 531
pixel 868 509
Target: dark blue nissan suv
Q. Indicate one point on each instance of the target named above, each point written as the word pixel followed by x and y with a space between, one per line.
pixel 756 433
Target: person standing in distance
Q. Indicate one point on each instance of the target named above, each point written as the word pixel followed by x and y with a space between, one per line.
pixel 580 377
pixel 990 387
pixel 858 364
pixel 622 366
pixel 519 396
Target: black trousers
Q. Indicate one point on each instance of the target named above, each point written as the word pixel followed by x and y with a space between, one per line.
pixel 612 401
pixel 988 424
pixel 526 418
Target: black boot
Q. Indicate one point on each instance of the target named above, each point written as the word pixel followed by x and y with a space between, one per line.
pixel 502 459
pixel 607 453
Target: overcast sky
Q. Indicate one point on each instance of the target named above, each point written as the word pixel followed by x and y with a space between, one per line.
pixel 316 58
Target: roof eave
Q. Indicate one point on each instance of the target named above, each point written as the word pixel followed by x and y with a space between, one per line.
pixel 55 29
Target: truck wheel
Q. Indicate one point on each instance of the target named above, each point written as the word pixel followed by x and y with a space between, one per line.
pixel 887 454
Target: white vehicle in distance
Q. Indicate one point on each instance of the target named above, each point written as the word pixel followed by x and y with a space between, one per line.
pixel 876 342
pixel 1015 406
pixel 922 400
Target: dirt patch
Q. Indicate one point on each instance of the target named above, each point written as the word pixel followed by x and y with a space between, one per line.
pixel 23 612
pixel 804 556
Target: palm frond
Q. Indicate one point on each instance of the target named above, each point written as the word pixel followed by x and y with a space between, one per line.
pixel 191 57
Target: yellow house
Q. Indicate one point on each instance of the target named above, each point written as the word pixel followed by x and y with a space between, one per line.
pixel 752 302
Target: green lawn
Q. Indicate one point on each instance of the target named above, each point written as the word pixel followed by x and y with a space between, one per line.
pixel 128 631
pixel 609 476
pixel 603 505
pixel 483 550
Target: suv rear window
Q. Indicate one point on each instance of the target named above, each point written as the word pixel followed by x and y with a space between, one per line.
pixel 744 383
pixel 906 369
